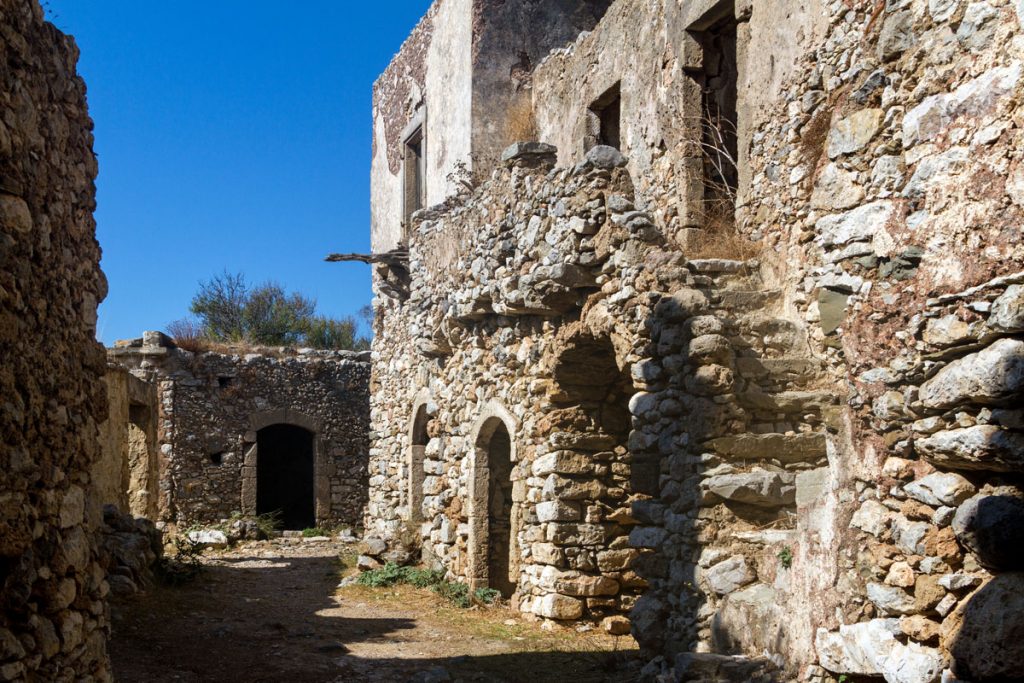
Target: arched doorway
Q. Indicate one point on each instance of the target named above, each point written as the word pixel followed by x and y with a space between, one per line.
pixel 417 453
pixel 284 474
pixel 492 516
pixel 499 511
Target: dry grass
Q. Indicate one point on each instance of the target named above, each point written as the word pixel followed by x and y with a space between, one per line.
pixel 720 237
pixel 814 135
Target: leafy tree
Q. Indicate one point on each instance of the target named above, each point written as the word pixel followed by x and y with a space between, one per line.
pixel 220 304
pixel 229 310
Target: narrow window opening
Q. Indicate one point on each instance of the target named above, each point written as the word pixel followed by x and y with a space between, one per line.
pixel 225 382
pixel 417 474
pixel 415 191
pixel 719 116
pixel 499 512
pixel 217 458
pixel 604 119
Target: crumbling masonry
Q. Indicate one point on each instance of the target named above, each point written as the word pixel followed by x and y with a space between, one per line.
pixel 801 463
pixel 53 617
pixel 202 437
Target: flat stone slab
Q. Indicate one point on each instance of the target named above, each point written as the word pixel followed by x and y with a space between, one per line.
pixel 786 448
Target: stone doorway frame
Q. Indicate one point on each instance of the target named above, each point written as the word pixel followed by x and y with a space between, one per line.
pixel 492 415
pixel 423 410
pixel 321 473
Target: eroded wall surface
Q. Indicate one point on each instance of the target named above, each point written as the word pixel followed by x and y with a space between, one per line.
pixel 836 427
pixel 211 407
pixel 53 617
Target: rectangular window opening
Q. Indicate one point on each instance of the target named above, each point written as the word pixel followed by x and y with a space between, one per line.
pixel 604 119
pixel 719 117
pixel 415 191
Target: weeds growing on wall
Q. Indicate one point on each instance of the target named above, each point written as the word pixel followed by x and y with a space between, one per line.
pixel 454 592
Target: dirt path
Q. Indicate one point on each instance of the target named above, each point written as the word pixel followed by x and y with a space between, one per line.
pixel 272 612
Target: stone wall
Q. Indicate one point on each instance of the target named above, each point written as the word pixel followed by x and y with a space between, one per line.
pixel 53 618
pixel 463 75
pixel 213 406
pixel 127 473
pixel 819 471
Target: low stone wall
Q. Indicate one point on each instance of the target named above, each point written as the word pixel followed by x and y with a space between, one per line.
pixel 53 614
pixel 211 407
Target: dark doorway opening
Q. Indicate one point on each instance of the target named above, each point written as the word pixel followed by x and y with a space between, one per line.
pixel 284 475
pixel 605 115
pixel 719 104
pixel 420 439
pixel 415 191
pixel 499 509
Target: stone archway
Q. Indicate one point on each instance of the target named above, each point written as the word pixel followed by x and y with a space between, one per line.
pixel 418 440
pixel 493 514
pixel 268 429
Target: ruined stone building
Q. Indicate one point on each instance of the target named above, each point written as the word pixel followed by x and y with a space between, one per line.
pixel 199 437
pixel 709 313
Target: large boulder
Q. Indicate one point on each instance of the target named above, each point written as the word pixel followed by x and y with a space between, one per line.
pixel 870 648
pixel 992 527
pixel 981 447
pixel 985 635
pixel 991 376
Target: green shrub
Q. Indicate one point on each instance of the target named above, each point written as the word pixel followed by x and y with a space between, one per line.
pixel 486 595
pixel 269 523
pixel 315 531
pixel 454 592
pixel 785 557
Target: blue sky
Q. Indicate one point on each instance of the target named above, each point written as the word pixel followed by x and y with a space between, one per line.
pixel 231 134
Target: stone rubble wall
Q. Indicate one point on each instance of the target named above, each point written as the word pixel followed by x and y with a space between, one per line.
pixel 836 426
pixel 212 404
pixel 53 613
pixel 888 189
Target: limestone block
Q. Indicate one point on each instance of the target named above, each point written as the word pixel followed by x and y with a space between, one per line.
pixel 990 376
pixel 890 599
pixel 787 448
pixel 978 26
pixel 547 553
pixel 1007 314
pixel 857 225
pixel 941 10
pixel 759 488
pixel 616 560
pixel 940 488
pixel 979 97
pixel 15 216
pixel 647 537
pixel 560 607
pixel 870 648
pixel 982 447
pixel 557 511
pixel 603 156
pixel 725 577
pixel 985 635
pixel 897 35
pixel 854 132
pixel 562 462
pixel 872 517
pixel 209 538
pixel 836 189
pixel 992 527
pixel 583 585
pixel 575 534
